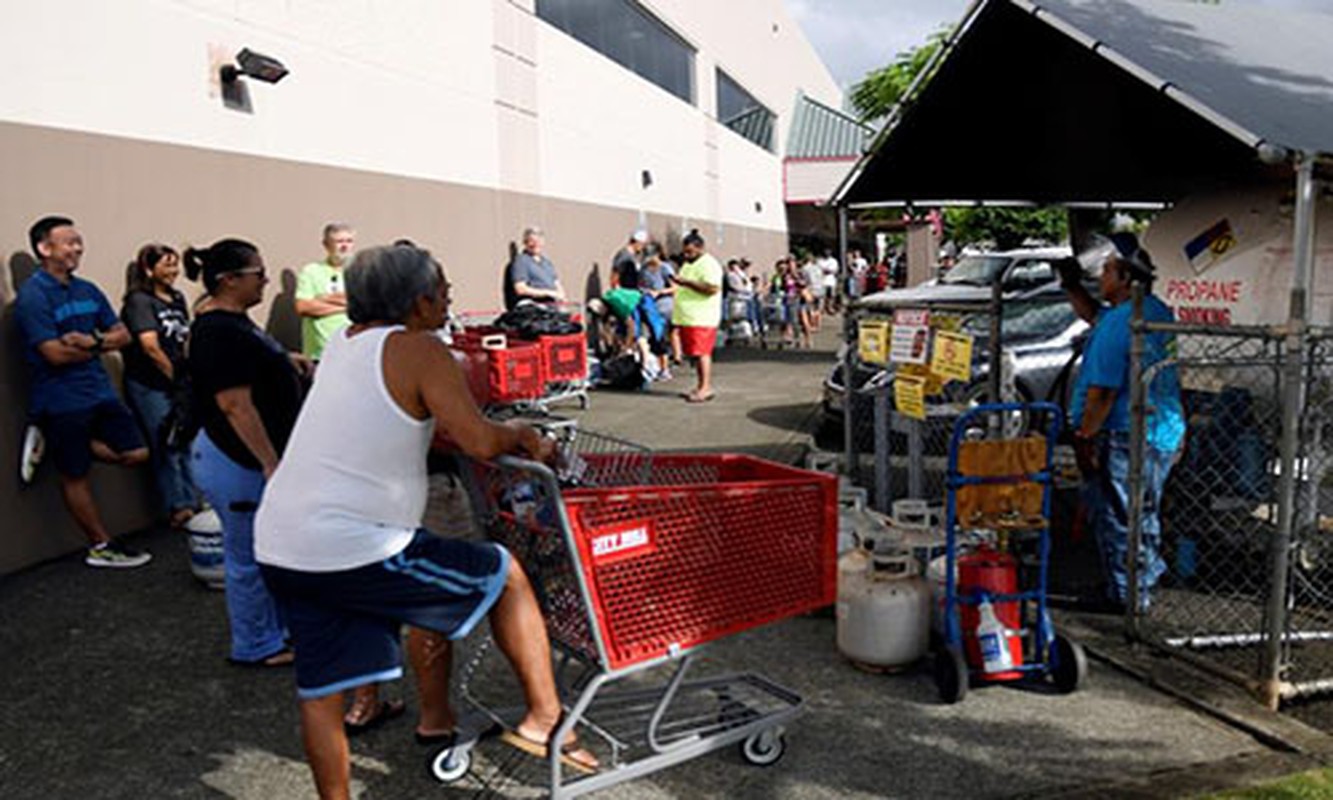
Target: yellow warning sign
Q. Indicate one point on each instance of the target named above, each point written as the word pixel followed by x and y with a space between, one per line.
pixel 872 342
pixel 951 357
pixel 909 396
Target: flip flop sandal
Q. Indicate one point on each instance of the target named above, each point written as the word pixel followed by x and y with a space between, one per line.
pixel 699 398
pixel 539 749
pixel 282 658
pixel 386 711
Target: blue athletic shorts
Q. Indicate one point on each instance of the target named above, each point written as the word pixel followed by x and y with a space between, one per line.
pixel 345 625
pixel 69 435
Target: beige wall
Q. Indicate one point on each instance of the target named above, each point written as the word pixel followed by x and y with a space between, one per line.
pixel 124 192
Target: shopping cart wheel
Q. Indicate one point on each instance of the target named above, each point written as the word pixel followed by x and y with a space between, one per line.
pixel 1070 667
pixel 950 674
pixel 450 764
pixel 765 748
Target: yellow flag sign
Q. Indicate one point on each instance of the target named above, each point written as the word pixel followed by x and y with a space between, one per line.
pixel 909 396
pixel 951 357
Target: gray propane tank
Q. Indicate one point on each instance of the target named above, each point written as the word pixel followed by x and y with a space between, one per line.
pixel 883 608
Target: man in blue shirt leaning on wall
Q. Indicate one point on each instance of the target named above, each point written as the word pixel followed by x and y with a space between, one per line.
pixel 66 324
pixel 1101 415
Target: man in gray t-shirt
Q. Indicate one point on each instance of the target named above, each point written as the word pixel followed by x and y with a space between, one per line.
pixel 531 275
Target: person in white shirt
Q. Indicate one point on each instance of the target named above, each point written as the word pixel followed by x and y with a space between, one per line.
pixel 338 533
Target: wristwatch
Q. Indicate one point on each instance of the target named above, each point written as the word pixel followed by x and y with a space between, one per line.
pixel 98 340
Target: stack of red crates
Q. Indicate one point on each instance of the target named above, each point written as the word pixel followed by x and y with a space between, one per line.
pixel 500 370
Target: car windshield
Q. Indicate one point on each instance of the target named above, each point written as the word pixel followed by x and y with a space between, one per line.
pixel 1025 321
pixel 976 271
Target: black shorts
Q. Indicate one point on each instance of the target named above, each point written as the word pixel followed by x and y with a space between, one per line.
pixel 69 435
pixel 344 625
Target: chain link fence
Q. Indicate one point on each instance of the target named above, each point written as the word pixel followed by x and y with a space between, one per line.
pixel 899 413
pixel 1222 591
pixel 1227 601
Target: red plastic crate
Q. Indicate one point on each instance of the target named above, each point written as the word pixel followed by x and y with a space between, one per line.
pixel 564 357
pixel 716 545
pixel 502 375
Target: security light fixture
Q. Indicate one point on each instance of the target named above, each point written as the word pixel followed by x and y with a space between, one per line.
pixel 646 178
pixel 256 65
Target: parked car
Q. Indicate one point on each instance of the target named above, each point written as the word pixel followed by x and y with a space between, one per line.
pixel 1020 273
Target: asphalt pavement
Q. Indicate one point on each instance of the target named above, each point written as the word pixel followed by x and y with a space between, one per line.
pixel 115 683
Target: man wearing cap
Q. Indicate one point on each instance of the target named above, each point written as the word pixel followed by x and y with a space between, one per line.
pixel 625 263
pixel 1100 412
pixel 698 311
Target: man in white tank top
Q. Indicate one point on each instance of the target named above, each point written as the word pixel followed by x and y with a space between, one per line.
pixel 338 532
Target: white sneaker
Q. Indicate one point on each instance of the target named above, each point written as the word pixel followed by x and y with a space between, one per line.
pixel 106 556
pixel 34 447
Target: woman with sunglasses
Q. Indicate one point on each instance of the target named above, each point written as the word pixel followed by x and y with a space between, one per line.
pixel 247 392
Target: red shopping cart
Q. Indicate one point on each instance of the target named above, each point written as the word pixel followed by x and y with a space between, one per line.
pixel 638 561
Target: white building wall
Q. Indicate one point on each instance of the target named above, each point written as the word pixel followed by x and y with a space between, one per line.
pixel 475 92
pixel 389 87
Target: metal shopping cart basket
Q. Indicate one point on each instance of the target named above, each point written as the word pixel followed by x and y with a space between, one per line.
pixel 637 561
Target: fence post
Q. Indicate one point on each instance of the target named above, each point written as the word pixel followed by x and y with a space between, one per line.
pixel 1293 404
pixel 882 447
pixel 996 349
pixel 1138 431
pixel 851 464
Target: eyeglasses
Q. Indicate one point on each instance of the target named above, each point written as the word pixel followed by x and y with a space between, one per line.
pixel 260 271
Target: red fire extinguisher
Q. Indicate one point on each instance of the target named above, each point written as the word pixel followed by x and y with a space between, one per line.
pixel 993 573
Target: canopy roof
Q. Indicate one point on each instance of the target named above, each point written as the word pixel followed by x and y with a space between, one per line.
pixel 1105 101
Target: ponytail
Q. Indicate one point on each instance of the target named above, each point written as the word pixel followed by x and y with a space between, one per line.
pixel 223 256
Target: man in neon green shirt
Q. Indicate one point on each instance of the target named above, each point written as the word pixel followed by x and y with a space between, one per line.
pixel 320 299
pixel 698 311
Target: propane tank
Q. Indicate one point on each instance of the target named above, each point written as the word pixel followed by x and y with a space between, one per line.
pixel 205 537
pixel 985 574
pixel 883 608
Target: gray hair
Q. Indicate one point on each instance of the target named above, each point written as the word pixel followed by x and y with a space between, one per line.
pixel 336 227
pixel 384 283
pixel 533 231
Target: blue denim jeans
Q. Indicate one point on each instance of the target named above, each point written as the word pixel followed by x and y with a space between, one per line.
pixel 234 492
pixel 171 468
pixel 1106 497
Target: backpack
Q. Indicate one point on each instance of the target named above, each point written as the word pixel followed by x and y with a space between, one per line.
pixel 622 372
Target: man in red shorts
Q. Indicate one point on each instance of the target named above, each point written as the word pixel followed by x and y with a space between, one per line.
pixel 698 312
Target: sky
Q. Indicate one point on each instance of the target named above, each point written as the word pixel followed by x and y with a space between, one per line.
pixel 854 37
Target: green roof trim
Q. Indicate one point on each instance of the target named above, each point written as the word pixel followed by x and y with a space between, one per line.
pixel 818 131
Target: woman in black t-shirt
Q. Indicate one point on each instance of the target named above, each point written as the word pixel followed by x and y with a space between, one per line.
pixel 159 324
pixel 247 391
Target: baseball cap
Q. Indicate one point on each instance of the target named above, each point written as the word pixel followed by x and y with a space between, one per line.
pixel 639 236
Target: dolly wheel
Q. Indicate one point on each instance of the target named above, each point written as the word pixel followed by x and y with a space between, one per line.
pixel 765 748
pixel 450 764
pixel 950 674
pixel 1070 665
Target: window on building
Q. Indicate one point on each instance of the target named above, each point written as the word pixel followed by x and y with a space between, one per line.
pixel 738 110
pixel 627 34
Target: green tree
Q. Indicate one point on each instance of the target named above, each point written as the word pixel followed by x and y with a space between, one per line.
pixel 881 89
pixel 1005 228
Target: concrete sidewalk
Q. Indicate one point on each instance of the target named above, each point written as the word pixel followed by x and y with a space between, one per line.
pixel 115 684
